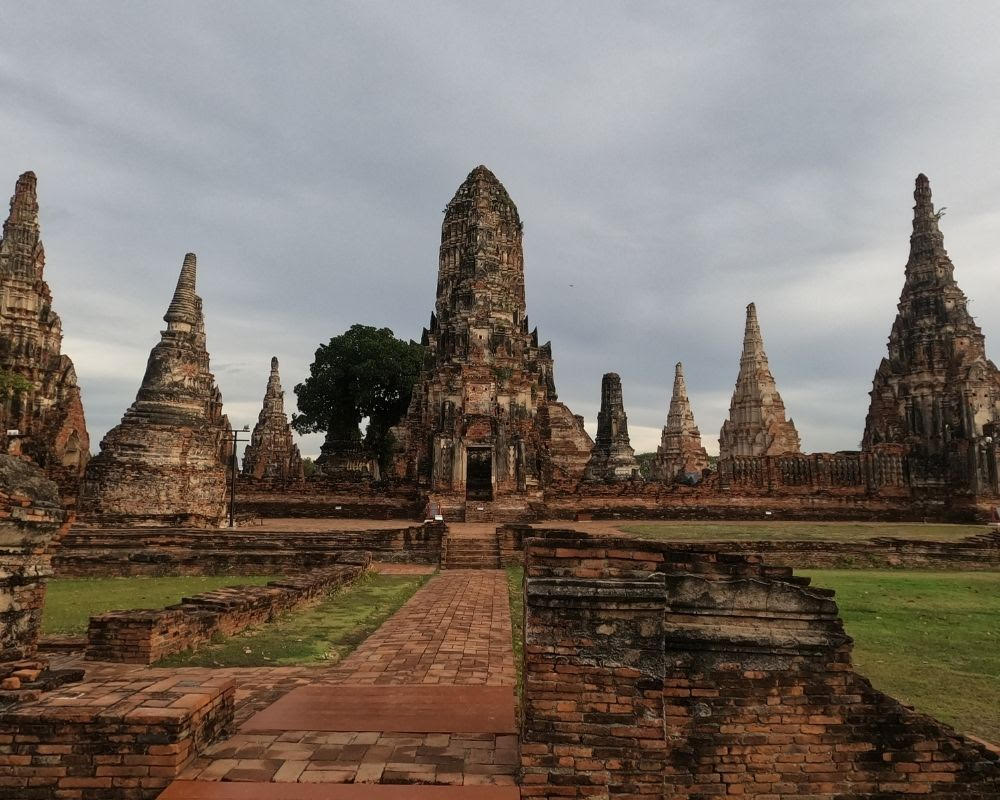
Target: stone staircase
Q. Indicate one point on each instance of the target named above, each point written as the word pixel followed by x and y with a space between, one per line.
pixel 480 552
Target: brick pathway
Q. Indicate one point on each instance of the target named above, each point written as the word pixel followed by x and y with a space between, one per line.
pixel 456 630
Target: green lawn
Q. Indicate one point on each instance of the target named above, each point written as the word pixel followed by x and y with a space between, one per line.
pixel 791 531
pixel 70 602
pixel 323 633
pixel 930 639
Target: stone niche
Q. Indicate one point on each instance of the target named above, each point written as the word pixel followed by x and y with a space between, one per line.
pixel 31 521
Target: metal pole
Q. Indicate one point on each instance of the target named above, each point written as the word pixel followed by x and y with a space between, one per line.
pixel 232 483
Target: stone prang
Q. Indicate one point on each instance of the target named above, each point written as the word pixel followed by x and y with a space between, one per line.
pixel 936 388
pixel 484 420
pixel 165 463
pixel 49 414
pixel 680 454
pixel 756 424
pixel 272 452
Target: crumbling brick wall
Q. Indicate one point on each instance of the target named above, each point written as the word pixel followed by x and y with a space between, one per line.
pixel 653 671
pixel 146 636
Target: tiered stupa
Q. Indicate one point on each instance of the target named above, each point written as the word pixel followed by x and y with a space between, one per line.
pixel 272 452
pixel 483 419
pixel 937 387
pixel 680 455
pixel 48 416
pixel 756 424
pixel 166 462
pixel 612 458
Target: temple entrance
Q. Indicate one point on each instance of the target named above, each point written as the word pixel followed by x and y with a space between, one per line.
pixel 479 473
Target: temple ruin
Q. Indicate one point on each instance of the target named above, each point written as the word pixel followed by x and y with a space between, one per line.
pixel 936 393
pixel 272 453
pixel 49 415
pixel 484 421
pixel 166 462
pixel 756 424
pixel 612 458
pixel 680 455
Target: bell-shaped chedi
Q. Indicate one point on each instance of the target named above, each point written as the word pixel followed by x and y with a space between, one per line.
pixel 272 452
pixel 48 415
pixel 756 424
pixel 936 386
pixel 484 419
pixel 165 463
pixel 612 458
pixel 680 455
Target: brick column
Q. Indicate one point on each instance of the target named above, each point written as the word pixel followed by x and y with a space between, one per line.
pixel 593 683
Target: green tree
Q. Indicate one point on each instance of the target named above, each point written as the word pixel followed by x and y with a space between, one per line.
pixel 364 372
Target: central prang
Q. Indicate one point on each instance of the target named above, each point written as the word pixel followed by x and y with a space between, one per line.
pixel 484 420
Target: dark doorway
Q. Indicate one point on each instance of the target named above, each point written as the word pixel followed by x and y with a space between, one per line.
pixel 479 473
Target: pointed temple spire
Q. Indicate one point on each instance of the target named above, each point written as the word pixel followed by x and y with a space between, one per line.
pixel 183 306
pixel 166 461
pixel 936 389
pixel 680 454
pixel 484 420
pixel 612 458
pixel 756 424
pixel 21 252
pixel 51 425
pixel 272 453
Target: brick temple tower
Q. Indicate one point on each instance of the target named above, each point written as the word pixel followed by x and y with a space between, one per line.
pixel 49 415
pixel 165 463
pixel 680 454
pixel 936 392
pixel 484 421
pixel 272 452
pixel 757 425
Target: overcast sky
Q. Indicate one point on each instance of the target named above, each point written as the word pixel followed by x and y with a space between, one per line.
pixel 671 162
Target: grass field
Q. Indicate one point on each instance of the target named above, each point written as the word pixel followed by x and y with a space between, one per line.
pixel 930 639
pixel 323 633
pixel 70 602
pixel 793 531
pixel 515 588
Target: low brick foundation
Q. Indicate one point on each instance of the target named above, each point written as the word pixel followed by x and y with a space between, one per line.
pixel 101 552
pixel 981 552
pixel 119 740
pixel 663 672
pixel 144 637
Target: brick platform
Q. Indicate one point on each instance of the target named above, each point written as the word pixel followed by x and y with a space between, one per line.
pixel 116 740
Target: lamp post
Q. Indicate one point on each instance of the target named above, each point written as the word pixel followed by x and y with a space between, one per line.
pixel 232 473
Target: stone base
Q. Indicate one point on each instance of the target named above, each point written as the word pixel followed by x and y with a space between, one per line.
pixel 117 740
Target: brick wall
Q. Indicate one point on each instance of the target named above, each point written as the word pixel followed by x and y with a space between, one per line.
pixel 980 552
pixel 121 740
pixel 146 636
pixel 664 672
pixel 243 551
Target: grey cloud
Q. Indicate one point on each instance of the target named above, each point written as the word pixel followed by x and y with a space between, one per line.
pixel 671 161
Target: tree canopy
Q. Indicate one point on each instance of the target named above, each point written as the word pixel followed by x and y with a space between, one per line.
pixel 364 372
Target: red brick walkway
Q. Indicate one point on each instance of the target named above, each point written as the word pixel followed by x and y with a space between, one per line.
pixel 455 631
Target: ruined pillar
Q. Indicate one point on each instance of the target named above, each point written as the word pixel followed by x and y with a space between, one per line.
pixel 272 452
pixel 31 521
pixel 612 458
